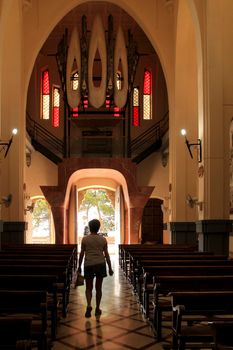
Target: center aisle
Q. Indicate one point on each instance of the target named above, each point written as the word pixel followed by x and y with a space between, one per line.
pixel 121 325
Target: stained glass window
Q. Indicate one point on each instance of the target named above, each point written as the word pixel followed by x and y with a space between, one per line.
pixel 117 111
pixel 135 119
pixel 147 95
pixel 56 107
pixel 85 101
pixel 107 102
pixel 74 81
pixel 119 81
pixel 45 94
pixel 75 112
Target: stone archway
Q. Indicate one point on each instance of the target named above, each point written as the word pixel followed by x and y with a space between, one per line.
pixel 123 170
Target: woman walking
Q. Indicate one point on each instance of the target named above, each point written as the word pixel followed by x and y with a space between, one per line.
pixel 95 249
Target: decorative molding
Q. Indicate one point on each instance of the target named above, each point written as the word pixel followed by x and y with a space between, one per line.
pixel 164 158
pixel 84 57
pixel 201 171
pixel 26 5
pixel 97 94
pixel 74 53
pixel 120 55
pixel 169 4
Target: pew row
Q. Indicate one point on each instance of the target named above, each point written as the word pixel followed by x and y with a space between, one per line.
pixel 69 250
pixel 30 304
pixel 193 316
pixel 136 269
pixel 48 283
pixel 16 333
pixel 63 282
pixel 165 285
pixel 145 286
pixel 146 250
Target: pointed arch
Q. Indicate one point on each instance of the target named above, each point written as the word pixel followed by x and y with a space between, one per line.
pixel 120 58
pixel 97 95
pixel 74 54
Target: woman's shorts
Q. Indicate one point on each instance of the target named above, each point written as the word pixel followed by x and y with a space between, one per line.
pixel 95 271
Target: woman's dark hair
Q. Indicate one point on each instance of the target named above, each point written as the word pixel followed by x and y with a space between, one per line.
pixel 94 225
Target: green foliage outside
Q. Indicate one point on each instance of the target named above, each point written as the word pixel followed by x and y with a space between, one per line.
pixel 40 214
pixel 99 199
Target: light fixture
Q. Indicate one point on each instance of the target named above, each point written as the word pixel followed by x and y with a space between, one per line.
pixel 191 144
pixel 29 208
pixel 5 145
pixel 6 201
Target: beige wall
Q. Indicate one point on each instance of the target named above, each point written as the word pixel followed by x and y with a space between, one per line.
pixel 41 172
pixel 150 172
pixel 194 46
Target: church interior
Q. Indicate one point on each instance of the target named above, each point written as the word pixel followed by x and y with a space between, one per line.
pixel 121 111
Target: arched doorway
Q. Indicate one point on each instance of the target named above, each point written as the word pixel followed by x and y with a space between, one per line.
pixel 40 222
pixel 62 197
pixel 97 202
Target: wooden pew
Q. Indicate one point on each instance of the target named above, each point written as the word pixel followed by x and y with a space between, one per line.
pixel 28 303
pixel 125 250
pixel 145 285
pixel 46 283
pixel 137 263
pixel 164 254
pixel 41 259
pixel 45 255
pixel 15 333
pixel 56 249
pixel 164 285
pixel 223 335
pixel 61 272
pixel 190 309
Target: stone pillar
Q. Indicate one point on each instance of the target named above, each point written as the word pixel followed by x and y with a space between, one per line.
pixel 1 230
pixel 14 232
pixel 182 232
pixel 59 223
pixel 135 222
pixel 213 235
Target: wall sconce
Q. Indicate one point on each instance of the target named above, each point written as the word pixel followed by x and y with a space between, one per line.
pixel 29 208
pixel 28 158
pixel 5 145
pixel 6 201
pixel 193 201
pixel 189 145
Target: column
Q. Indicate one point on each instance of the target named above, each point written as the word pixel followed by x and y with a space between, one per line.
pixel 182 232
pixel 213 235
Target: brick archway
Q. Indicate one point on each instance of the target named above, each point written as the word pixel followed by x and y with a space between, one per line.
pixel 122 170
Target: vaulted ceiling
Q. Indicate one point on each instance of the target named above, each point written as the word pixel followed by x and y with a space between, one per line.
pixel 90 9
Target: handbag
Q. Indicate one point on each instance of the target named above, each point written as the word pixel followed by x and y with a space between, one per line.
pixel 79 280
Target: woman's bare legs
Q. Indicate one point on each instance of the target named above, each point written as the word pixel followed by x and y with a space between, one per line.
pixel 98 288
pixel 89 287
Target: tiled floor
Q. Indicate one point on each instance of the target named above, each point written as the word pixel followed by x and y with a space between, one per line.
pixel 121 325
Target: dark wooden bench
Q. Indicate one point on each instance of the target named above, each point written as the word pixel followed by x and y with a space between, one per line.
pixel 125 250
pixel 63 279
pixel 69 250
pixel 146 255
pixel 223 335
pixel 15 333
pixel 193 316
pixel 32 260
pixel 137 264
pixel 36 282
pixel 30 304
pixel 145 283
pixel 164 285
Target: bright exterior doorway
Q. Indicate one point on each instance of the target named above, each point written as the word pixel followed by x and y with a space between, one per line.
pixel 40 222
pixel 97 203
